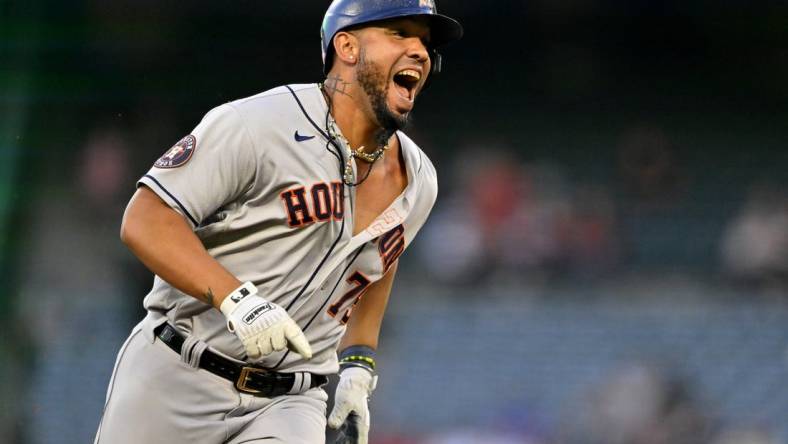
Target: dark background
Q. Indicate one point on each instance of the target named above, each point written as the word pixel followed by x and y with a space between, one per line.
pixel 651 135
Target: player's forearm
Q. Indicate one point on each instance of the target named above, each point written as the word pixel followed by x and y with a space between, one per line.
pixel 364 325
pixel 166 244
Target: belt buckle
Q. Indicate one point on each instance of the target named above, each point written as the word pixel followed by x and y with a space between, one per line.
pixel 243 378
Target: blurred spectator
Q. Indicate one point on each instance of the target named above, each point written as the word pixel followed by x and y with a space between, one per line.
pixel 592 241
pixel 533 242
pixel 459 243
pixel 508 222
pixel 755 243
pixel 73 296
pixel 648 166
pixel 639 404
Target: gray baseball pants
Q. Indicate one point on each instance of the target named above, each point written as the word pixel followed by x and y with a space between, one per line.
pixel 154 397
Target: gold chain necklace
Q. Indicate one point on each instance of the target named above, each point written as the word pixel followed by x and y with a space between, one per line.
pixel 358 153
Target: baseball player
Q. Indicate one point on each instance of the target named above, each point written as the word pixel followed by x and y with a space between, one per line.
pixel 274 230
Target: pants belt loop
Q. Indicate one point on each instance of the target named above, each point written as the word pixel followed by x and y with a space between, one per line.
pixel 301 383
pixel 192 350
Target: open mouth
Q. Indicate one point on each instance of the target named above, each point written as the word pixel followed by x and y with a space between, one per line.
pixel 406 81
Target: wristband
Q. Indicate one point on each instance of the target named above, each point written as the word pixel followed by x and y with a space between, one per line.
pixel 237 295
pixel 357 356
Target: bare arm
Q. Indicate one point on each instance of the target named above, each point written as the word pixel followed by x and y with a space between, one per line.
pixel 363 328
pixel 357 379
pixel 166 244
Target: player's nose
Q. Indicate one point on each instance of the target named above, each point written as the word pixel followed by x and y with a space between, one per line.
pixel 417 50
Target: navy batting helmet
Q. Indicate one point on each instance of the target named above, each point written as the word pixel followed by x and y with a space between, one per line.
pixel 343 14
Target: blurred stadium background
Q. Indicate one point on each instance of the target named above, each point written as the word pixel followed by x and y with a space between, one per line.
pixel 607 263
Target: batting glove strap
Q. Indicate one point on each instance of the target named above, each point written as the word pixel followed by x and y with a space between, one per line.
pixel 263 327
pixel 233 299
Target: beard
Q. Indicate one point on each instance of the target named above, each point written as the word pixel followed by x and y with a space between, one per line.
pixel 375 84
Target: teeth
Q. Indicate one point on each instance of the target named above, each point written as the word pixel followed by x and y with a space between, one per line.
pixel 410 73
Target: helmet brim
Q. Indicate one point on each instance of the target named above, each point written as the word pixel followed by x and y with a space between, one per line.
pixel 443 30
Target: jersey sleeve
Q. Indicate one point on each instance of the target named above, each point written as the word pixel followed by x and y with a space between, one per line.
pixel 214 165
pixel 428 194
pixel 424 195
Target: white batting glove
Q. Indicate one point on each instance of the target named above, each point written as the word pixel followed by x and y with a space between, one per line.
pixel 350 404
pixel 262 326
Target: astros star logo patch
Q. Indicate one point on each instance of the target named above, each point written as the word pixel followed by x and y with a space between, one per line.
pixel 179 154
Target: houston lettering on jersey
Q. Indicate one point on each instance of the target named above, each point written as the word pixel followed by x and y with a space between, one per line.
pixel 391 245
pixel 321 202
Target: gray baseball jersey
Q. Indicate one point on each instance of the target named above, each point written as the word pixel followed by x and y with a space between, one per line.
pixel 262 187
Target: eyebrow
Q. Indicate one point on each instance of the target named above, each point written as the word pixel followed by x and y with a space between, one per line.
pixel 400 26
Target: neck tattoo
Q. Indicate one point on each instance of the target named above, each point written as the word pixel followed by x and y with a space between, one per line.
pixel 335 84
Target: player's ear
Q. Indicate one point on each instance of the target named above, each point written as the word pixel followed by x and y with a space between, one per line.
pixel 346 47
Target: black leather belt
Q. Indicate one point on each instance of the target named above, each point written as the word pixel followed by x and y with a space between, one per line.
pixel 247 378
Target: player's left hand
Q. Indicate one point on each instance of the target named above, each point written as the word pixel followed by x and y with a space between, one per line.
pixel 351 411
